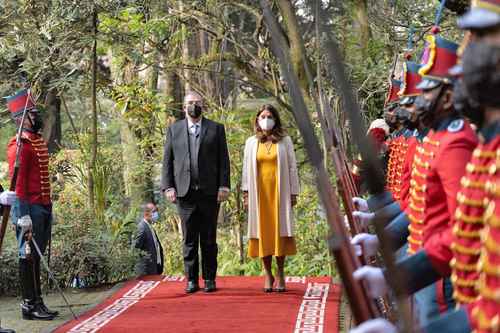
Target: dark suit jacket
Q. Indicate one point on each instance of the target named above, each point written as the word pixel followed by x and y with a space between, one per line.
pixel 213 158
pixel 144 241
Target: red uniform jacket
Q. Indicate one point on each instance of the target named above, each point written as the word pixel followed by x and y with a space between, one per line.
pixel 33 183
pixel 438 166
pixel 485 312
pixel 404 193
pixel 397 153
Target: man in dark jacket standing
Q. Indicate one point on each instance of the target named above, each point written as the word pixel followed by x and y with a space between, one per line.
pixel 195 175
pixel 147 240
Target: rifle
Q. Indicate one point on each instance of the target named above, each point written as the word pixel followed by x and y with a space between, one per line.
pixel 363 307
pixel 13 180
pixel 375 179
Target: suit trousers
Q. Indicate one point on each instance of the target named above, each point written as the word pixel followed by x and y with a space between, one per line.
pixel 198 213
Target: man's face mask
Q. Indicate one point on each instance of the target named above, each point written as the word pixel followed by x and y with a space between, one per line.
pixel 481 66
pixel 405 116
pixel 194 110
pixel 36 121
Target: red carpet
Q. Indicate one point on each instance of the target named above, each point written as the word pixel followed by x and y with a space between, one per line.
pixel 159 304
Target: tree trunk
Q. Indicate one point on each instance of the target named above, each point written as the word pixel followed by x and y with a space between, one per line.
pixel 52 125
pixel 295 39
pixel 94 142
pixel 361 14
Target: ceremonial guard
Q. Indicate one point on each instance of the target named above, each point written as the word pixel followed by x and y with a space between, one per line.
pixel 434 180
pixel 408 94
pixel 470 250
pixel 32 211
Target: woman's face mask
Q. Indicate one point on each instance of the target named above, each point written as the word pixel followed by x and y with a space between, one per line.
pixel 266 124
pixel 155 216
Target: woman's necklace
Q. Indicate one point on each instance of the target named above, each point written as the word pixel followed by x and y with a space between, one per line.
pixel 268 146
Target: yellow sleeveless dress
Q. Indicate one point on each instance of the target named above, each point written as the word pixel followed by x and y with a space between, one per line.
pixel 269 242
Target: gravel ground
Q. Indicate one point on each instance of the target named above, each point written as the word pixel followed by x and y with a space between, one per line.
pixel 81 300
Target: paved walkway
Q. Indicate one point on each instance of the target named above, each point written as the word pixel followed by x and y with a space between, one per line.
pixel 80 299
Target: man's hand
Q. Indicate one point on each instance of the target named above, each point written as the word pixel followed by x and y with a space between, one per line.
pixel 294 199
pixel 368 243
pixel 222 195
pixel 378 325
pixel 363 218
pixel 373 279
pixel 171 195
pixel 25 223
pixel 7 198
pixel 360 204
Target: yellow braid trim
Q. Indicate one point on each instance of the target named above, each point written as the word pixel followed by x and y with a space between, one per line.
pixel 461 216
pixel 457 231
pixel 464 250
pixel 484 323
pixel 431 39
pixel 460 266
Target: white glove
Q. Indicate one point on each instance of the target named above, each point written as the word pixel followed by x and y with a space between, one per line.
pixel 368 243
pixel 25 223
pixel 360 204
pixel 7 198
pixel 363 218
pixel 373 279
pixel 378 325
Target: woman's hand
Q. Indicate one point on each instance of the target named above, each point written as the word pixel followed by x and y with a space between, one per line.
pixel 245 199
pixel 294 199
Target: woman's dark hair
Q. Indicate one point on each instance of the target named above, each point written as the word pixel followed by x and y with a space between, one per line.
pixel 277 133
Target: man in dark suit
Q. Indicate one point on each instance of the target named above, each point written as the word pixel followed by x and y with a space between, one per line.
pixel 195 176
pixel 147 240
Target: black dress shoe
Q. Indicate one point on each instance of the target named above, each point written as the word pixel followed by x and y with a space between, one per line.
pixel 32 311
pixel 192 287
pixel 210 286
pixel 45 309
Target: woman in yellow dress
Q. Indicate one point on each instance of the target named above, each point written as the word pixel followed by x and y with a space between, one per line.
pixel 270 185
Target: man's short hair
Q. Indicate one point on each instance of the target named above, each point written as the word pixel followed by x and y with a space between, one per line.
pixel 148 207
pixel 192 93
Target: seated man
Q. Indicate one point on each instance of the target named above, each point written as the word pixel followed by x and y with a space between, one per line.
pixel 147 241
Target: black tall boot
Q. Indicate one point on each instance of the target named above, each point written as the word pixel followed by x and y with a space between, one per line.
pixel 29 308
pixel 38 286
